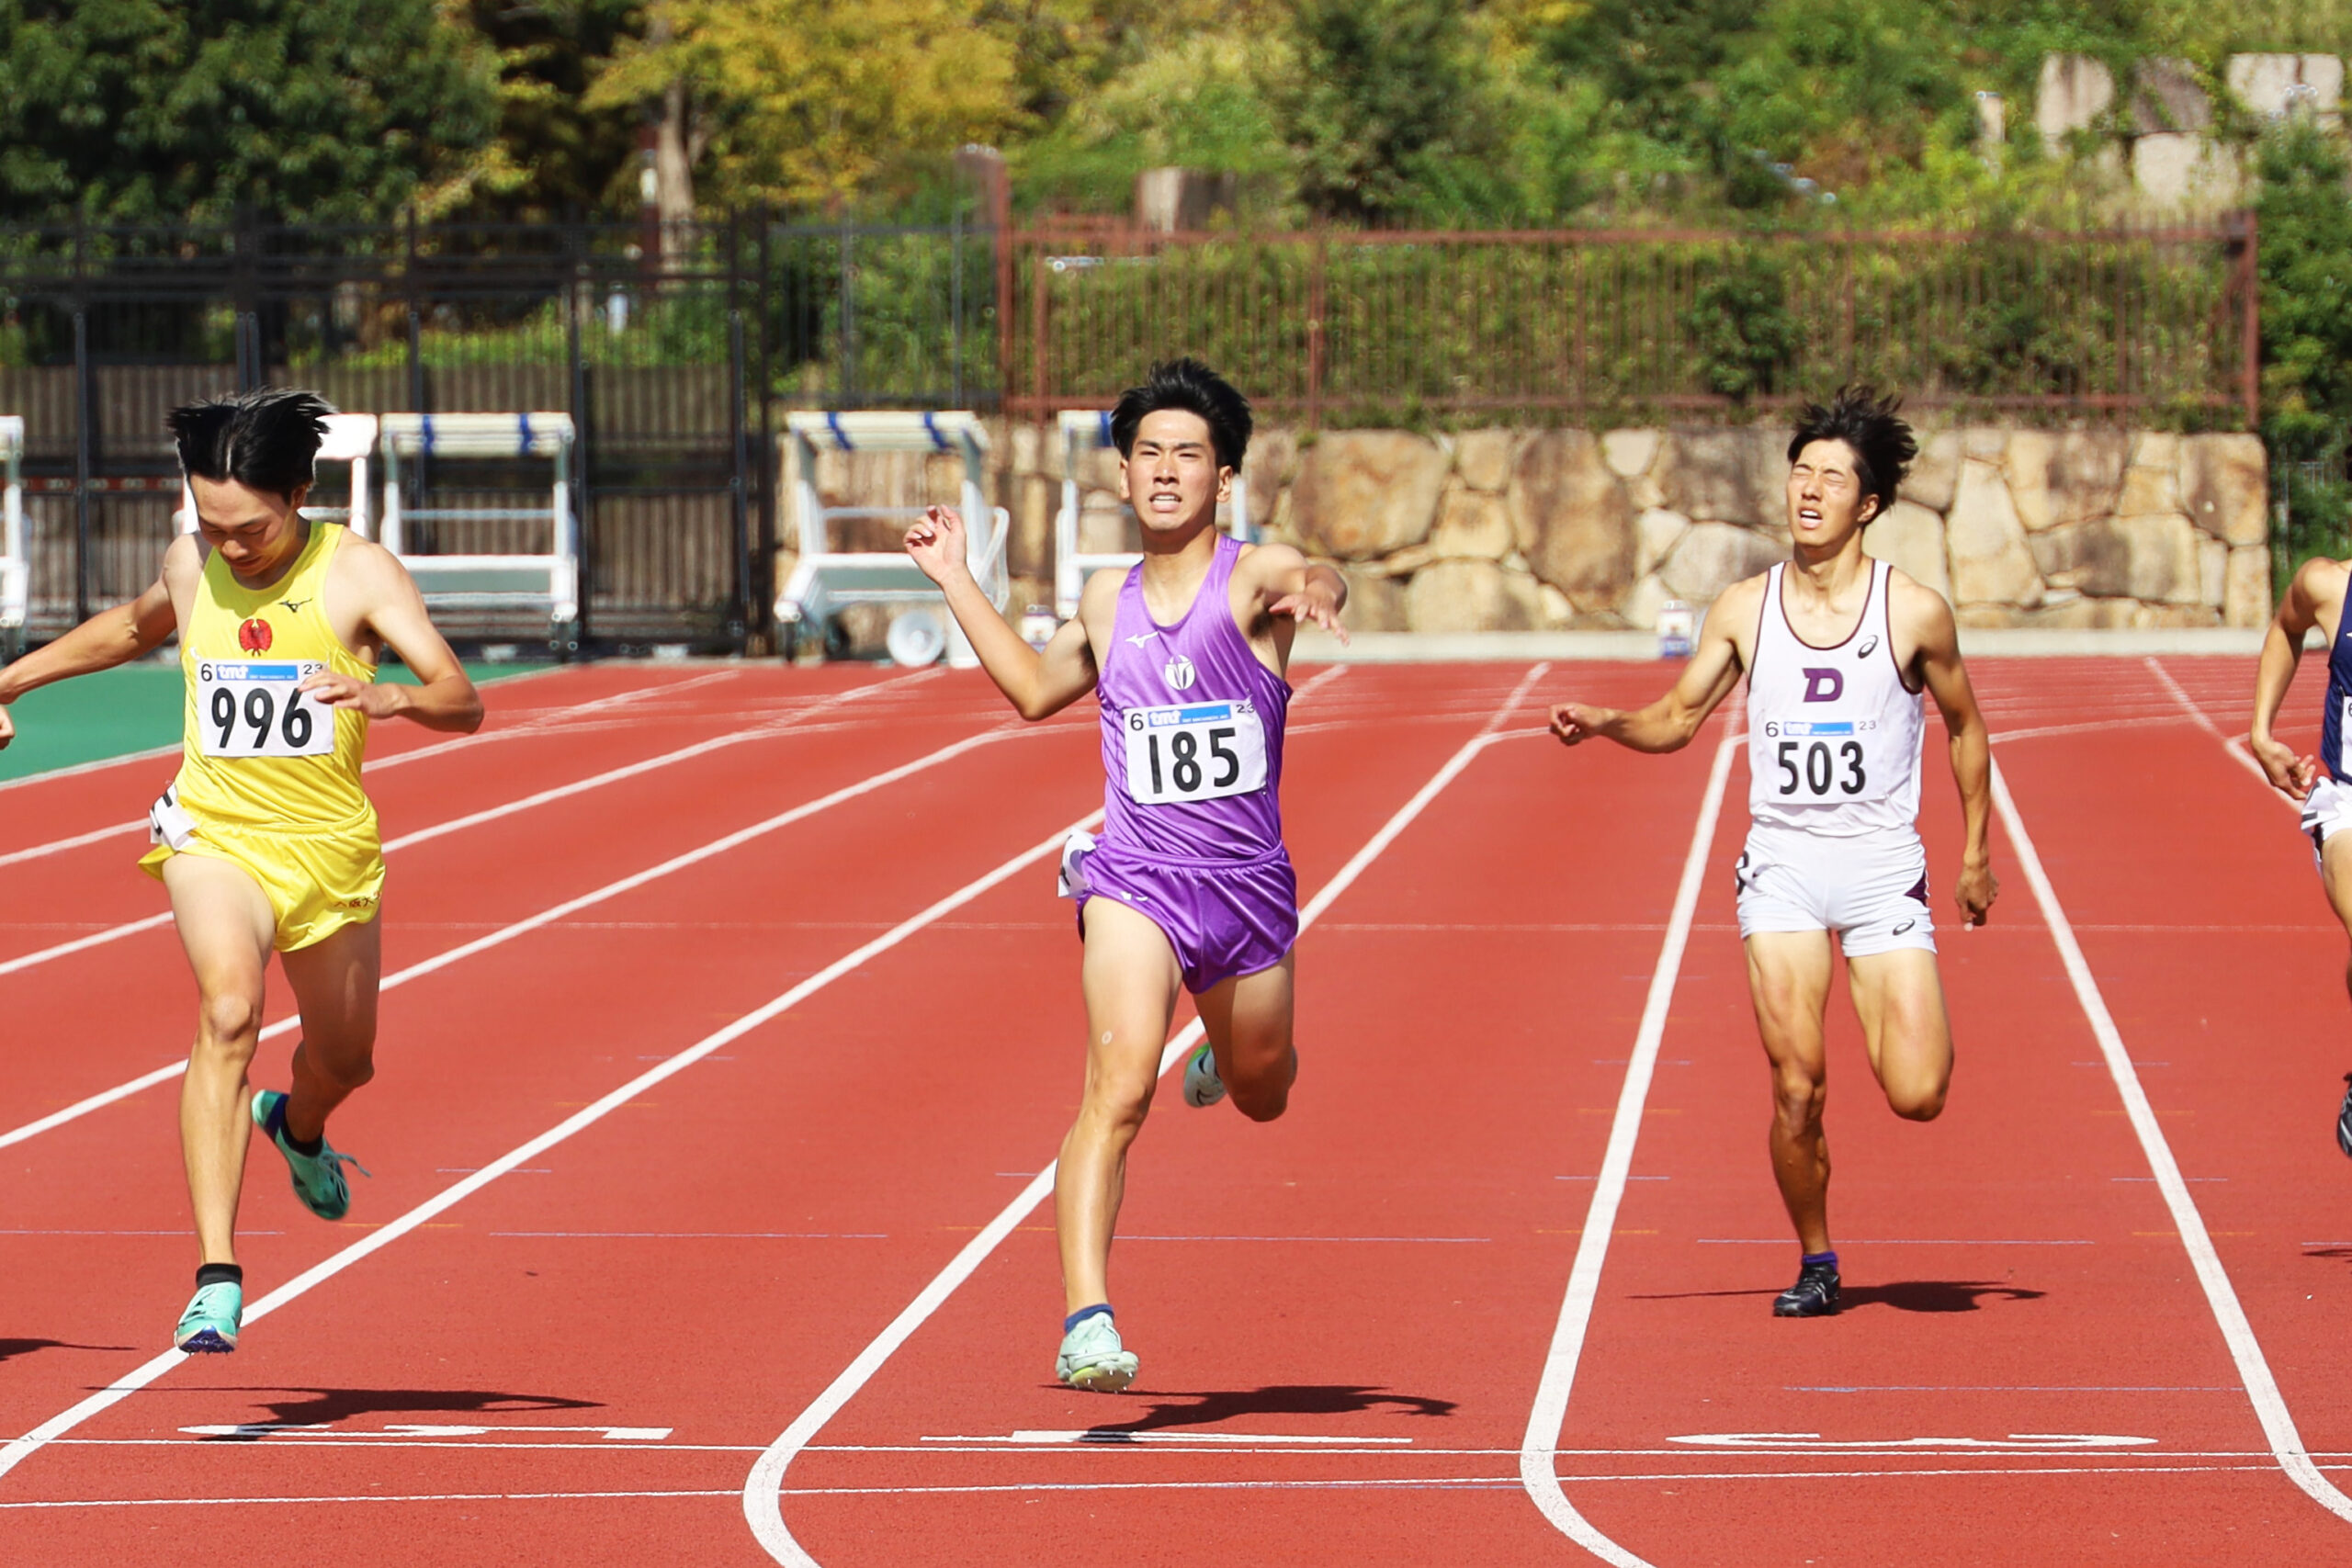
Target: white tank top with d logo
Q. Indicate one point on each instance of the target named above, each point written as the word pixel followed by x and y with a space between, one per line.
pixel 1833 733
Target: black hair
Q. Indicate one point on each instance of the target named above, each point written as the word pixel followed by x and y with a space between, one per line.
pixel 1882 445
pixel 1192 387
pixel 267 439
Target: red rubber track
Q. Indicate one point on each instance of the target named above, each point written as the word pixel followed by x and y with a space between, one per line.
pixel 451 1040
pixel 708 1260
pixel 1463 1012
pixel 126 1006
pixel 851 1116
pixel 2088 1322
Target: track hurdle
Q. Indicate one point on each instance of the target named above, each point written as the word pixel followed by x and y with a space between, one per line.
pixel 548 583
pixel 826 579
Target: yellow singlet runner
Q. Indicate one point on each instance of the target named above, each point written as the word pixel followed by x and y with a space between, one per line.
pixel 269 778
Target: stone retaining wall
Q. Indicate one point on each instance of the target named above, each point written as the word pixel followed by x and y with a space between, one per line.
pixel 1509 530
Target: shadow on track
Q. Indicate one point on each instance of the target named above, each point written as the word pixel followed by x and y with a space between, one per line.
pixel 12 1348
pixel 322 1406
pixel 1281 1399
pixel 1909 1295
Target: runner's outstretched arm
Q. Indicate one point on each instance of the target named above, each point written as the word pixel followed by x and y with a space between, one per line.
pixel 1039 684
pixel 2318 582
pixel 112 637
pixel 1971 752
pixel 444 698
pixel 1707 678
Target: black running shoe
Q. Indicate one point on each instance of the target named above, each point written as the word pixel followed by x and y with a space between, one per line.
pixel 2344 1119
pixel 1814 1295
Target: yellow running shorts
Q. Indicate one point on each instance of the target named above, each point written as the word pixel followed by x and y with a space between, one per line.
pixel 316 884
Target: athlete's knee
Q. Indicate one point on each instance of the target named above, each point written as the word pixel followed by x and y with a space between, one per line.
pixel 1264 1097
pixel 1924 1103
pixel 229 1021
pixel 345 1073
pixel 1798 1095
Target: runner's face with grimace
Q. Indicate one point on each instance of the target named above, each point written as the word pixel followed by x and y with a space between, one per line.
pixel 1171 476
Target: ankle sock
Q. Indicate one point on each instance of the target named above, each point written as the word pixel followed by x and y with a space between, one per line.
pixel 219 1274
pixel 1818 1260
pixel 1100 1309
pixel 311 1149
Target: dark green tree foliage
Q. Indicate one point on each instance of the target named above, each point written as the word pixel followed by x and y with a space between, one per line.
pixel 1740 325
pixel 1656 62
pixel 2305 228
pixel 562 159
pixel 150 111
pixel 1385 95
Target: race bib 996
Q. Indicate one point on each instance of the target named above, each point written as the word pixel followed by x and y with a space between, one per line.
pixel 1196 751
pixel 249 709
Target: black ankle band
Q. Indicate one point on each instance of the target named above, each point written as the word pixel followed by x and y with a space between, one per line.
pixel 219 1274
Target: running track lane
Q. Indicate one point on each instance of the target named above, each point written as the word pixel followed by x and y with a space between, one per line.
pixel 2210 938
pixel 876 1113
pixel 482 1051
pixel 1337 1313
pixel 127 1003
pixel 2015 1301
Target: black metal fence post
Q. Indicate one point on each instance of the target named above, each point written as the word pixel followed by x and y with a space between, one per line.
pixel 85 407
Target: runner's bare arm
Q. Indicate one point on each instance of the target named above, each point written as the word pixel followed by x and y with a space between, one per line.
pixel 1707 678
pixel 391 607
pixel 2318 582
pixel 1922 613
pixel 112 637
pixel 1288 584
pixel 1038 684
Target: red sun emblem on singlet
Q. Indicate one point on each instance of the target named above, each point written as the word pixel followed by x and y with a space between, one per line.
pixel 254 636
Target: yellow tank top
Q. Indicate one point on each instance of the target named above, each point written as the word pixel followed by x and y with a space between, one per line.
pixel 256 757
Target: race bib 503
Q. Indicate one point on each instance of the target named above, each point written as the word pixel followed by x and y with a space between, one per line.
pixel 1196 751
pixel 252 710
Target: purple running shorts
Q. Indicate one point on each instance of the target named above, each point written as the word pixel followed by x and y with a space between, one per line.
pixel 1222 917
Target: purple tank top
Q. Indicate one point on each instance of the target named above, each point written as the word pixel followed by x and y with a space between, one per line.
pixel 1192 729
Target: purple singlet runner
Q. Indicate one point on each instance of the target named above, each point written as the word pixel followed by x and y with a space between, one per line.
pixel 1192 771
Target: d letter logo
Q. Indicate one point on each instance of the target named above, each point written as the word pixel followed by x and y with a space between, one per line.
pixel 1823 685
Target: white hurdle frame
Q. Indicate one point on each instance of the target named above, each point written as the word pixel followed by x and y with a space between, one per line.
pixel 16 560
pixel 825 579
pixel 549 582
pixel 1088 430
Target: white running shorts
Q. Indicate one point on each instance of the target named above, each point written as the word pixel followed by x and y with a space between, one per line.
pixel 1870 888
pixel 2327 811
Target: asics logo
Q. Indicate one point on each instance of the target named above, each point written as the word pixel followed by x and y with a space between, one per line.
pixel 1869 643
pixel 1904 926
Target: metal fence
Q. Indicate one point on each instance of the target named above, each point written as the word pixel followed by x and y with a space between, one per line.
pixel 1372 328
pixel 675 351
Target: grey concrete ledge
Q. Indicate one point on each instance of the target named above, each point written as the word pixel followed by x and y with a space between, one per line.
pixel 1315 647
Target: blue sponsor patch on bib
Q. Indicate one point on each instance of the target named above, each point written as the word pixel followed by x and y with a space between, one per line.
pixel 1803 727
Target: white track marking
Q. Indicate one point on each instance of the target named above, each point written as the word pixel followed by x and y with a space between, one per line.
pixel 613 775
pixel 547 917
pixel 553 718
pixel 2233 744
pixel 17 1451
pixel 762 1489
pixel 1539 1472
pixel 2254 1371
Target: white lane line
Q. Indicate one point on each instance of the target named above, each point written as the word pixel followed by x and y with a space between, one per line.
pixel 2235 745
pixel 548 917
pixel 762 1489
pixel 538 725
pixel 2261 1388
pixel 21 1449
pixel 530 802
pixel 1539 1472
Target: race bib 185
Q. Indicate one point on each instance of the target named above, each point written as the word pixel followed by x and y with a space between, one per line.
pixel 1197 752
pixel 252 710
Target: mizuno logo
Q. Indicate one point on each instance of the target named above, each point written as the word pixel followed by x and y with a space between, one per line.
pixel 294 606
pixel 1145 637
pixel 1869 643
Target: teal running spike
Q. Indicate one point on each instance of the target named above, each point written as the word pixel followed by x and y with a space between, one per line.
pixel 318 1179
pixel 209 1324
pixel 1201 1086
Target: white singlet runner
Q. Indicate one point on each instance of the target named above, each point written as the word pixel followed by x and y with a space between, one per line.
pixel 1833 755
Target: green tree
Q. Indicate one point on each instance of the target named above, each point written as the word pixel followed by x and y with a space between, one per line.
pixel 2305 223
pixel 1380 96
pixel 151 111
pixel 556 154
